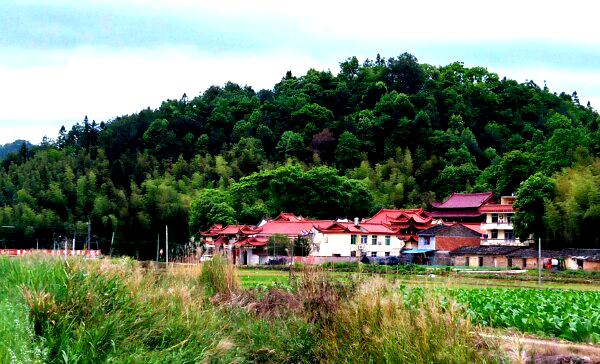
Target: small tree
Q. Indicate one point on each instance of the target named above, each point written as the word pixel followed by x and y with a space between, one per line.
pixel 532 197
pixel 282 244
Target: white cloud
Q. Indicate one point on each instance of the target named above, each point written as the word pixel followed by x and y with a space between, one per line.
pixel 426 20
pixel 61 86
pixel 105 85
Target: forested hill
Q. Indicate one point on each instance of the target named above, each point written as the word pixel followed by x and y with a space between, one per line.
pixel 13 147
pixel 384 133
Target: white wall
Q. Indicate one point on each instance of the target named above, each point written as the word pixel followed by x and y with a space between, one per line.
pixel 422 244
pixel 329 244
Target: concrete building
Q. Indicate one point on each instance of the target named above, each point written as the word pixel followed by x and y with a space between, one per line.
pixel 494 219
pixel 440 240
pixel 345 239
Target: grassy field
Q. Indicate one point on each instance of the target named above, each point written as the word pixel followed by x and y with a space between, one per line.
pixel 116 311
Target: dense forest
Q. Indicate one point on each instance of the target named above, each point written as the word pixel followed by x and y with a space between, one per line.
pixel 384 133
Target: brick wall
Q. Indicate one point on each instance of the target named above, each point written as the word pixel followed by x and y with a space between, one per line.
pixel 532 263
pixel 588 265
pixel 449 243
pixel 458 260
pixel 441 258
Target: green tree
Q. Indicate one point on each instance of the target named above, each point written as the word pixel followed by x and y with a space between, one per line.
pixel 532 196
pixel 210 207
pixel 347 152
pixel 291 145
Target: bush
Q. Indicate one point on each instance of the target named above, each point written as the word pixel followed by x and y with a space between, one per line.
pixel 219 275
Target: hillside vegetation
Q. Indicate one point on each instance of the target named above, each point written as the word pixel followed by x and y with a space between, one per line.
pixel 384 133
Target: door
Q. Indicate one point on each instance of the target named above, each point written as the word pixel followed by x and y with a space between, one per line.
pixel 245 257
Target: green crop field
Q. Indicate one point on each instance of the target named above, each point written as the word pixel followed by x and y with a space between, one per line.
pixel 567 314
pixel 570 311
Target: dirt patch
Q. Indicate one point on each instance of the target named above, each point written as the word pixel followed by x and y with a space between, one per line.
pixel 523 349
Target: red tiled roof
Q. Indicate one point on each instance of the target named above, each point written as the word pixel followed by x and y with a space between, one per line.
pixel 213 230
pixel 287 216
pixel 349 227
pixel 456 213
pixel 289 228
pixel 386 216
pixel 494 207
pixel 221 241
pixel 464 200
pixel 409 238
pixel 237 229
pixel 252 242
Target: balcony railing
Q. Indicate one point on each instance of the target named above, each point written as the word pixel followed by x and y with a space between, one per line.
pixel 497 226
pixel 506 242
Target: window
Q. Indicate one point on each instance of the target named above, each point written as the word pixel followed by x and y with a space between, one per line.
pixel 508 218
pixel 353 239
pixel 363 239
pixel 494 218
pixel 373 254
pixel 494 234
pixel 387 254
pixel 427 240
pixel 387 239
pixel 481 261
pixel 374 240
pixel 508 235
pixel 336 255
pixel 353 253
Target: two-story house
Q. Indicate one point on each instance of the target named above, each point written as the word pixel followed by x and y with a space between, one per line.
pixel 497 225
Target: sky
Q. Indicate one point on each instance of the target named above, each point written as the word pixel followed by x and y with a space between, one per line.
pixel 61 60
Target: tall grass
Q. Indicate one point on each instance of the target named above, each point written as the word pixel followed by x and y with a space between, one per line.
pixel 382 324
pixel 79 311
pixel 219 275
pixel 116 311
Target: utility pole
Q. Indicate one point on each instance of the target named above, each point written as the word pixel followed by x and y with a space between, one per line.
pixel 167 244
pixel 112 240
pixel 157 246
pixel 540 262
pixel 89 244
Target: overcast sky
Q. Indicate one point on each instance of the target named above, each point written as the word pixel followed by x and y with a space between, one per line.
pixel 61 60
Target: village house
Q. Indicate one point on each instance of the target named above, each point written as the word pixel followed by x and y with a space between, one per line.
pixel 385 234
pixel 479 212
pixel 528 259
pixel 585 259
pixel 406 223
pixel 436 243
pixel 354 239
pixel 461 207
pixel 481 256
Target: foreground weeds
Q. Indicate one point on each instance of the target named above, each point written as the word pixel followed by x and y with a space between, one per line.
pixel 115 311
pixel 384 324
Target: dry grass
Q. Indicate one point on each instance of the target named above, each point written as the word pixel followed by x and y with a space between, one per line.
pixel 220 276
pixel 119 311
pixel 381 324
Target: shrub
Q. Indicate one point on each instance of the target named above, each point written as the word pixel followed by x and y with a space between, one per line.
pixel 219 275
